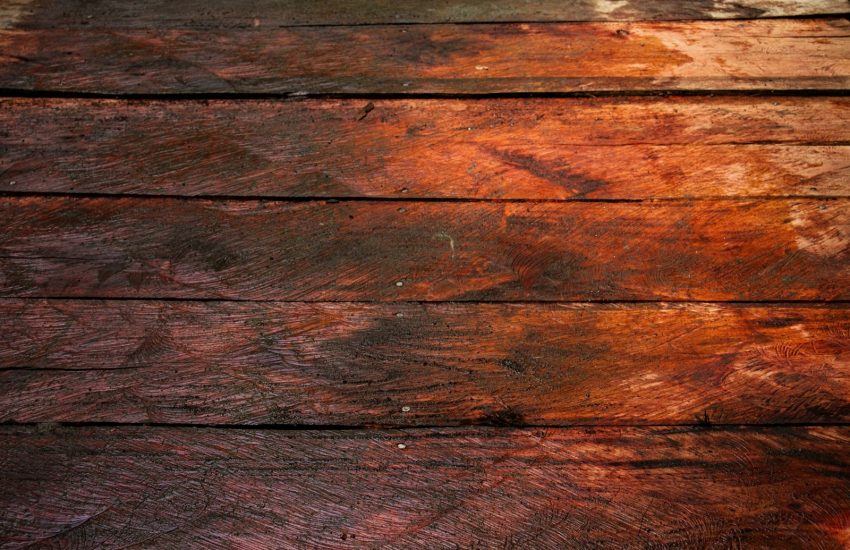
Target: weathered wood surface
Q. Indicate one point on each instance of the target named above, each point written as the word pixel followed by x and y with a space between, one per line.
pixel 422 364
pixel 453 488
pixel 766 54
pixel 390 251
pixel 371 352
pixel 269 14
pixel 613 148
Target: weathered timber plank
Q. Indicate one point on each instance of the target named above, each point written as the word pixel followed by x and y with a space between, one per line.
pixel 470 488
pixel 390 251
pixel 767 54
pixel 269 14
pixel 422 364
pixel 501 148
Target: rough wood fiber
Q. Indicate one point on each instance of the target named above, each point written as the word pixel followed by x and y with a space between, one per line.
pixel 497 148
pixel 428 364
pixel 268 14
pixel 388 251
pixel 767 54
pixel 454 488
pixel 413 365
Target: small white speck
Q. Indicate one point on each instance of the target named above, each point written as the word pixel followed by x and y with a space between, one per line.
pixel 481 67
pixel 405 409
pixel 399 314
pixel 399 283
pixel 11 183
pixel 402 446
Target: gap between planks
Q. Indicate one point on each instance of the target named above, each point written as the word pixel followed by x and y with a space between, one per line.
pixel 319 199
pixel 21 93
pixel 697 426
pixel 590 301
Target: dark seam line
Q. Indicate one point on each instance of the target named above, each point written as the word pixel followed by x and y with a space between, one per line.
pixel 767 302
pixel 396 427
pixel 406 199
pixel 12 93
pixel 164 25
pixel 60 369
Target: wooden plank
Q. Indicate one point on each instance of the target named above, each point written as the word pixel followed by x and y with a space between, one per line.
pixel 390 251
pixel 269 14
pixel 422 364
pixel 550 148
pixel 767 54
pixel 467 488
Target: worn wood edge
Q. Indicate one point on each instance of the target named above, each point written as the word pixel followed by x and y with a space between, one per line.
pixel 14 13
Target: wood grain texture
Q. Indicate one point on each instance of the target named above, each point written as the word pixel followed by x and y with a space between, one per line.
pixel 767 54
pixel 612 148
pixel 269 14
pixel 390 251
pixel 422 364
pixel 453 488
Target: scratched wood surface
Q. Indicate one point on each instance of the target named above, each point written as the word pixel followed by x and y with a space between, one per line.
pixel 389 251
pixel 524 274
pixel 423 364
pixel 765 54
pixel 615 148
pixel 451 488
pixel 265 14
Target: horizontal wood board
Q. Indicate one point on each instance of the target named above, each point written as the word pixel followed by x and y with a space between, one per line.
pixel 266 14
pixel 555 149
pixel 624 488
pixel 444 251
pixel 752 55
pixel 422 364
